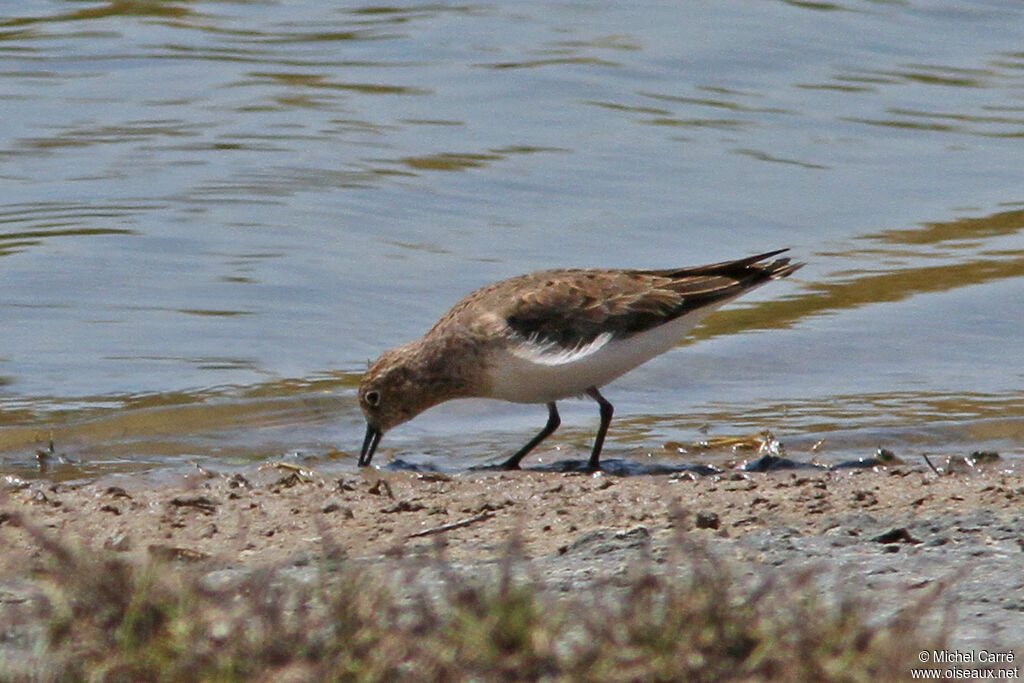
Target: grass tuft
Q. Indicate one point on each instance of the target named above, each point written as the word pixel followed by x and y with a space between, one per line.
pixel 108 619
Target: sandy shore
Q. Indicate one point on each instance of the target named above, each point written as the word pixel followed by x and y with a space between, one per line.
pixel 888 533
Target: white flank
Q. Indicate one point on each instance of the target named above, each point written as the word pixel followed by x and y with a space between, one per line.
pixel 550 353
pixel 531 372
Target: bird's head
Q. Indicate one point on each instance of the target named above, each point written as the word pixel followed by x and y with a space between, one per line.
pixel 396 388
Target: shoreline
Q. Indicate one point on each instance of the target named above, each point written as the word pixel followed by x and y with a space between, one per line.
pixel 889 531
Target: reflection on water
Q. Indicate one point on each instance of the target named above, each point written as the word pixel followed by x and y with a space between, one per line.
pixel 129 433
pixel 215 213
pixel 885 274
pixel 962 231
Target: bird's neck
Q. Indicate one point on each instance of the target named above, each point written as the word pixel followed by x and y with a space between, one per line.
pixel 447 369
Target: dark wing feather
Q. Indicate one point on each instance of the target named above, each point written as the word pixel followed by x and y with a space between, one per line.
pixel 572 308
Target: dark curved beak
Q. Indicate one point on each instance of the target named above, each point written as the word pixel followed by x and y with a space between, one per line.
pixel 373 434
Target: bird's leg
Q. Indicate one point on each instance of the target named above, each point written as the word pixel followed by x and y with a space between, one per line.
pixel 606 419
pixel 553 422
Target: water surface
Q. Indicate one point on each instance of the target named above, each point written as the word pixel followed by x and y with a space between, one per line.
pixel 213 214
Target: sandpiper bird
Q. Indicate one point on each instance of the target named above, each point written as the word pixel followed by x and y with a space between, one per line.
pixel 551 335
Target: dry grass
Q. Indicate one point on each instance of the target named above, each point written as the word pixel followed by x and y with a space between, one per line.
pixel 425 620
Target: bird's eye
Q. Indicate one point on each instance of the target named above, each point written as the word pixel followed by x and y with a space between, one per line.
pixel 372 398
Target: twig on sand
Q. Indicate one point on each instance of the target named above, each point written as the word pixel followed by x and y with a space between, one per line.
pixel 454 525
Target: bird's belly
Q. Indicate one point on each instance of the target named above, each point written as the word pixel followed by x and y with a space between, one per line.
pixel 522 379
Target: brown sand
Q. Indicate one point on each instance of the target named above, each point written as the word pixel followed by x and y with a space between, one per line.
pixel 890 529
